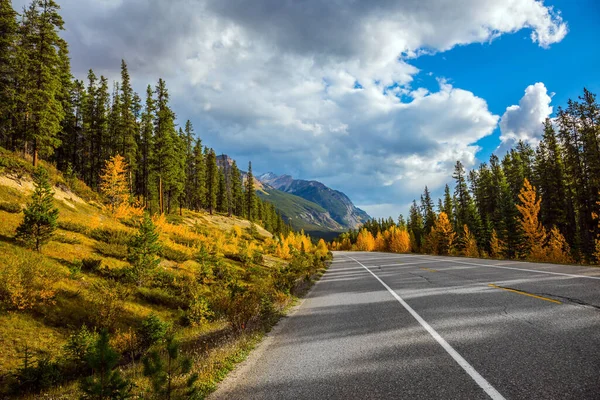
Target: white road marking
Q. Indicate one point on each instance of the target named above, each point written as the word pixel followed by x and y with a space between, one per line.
pixel 480 380
pixel 518 269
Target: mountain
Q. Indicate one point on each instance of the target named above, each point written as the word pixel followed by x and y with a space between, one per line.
pixel 337 204
pixel 299 212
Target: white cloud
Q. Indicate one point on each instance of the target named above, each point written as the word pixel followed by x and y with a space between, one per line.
pixel 275 81
pixel 524 122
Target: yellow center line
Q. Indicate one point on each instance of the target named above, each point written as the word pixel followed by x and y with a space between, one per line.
pixel 524 293
pixel 428 269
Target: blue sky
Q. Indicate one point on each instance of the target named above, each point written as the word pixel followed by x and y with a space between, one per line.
pixel 500 70
pixel 275 82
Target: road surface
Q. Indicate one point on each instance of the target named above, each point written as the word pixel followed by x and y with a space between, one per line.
pixel 380 325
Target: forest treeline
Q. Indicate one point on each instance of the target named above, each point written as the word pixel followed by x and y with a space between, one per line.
pixel 537 203
pixel 45 112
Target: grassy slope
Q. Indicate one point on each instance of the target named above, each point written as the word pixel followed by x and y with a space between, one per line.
pixel 45 329
pixel 291 206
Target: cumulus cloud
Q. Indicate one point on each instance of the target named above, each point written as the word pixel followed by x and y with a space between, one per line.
pixel 524 121
pixel 319 89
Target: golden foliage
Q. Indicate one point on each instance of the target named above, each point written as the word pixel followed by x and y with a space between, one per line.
pixel 469 243
pixel 497 246
pixel 442 236
pixel 533 231
pixel 322 249
pixel 108 298
pixel 113 182
pixel 558 250
pixel 27 280
pixel 380 242
pixel 365 241
pixel 399 240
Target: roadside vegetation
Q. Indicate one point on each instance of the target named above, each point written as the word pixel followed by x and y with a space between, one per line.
pixel 100 299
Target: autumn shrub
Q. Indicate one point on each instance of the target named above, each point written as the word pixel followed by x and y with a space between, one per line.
pixel 118 251
pixel 198 312
pixel 91 265
pixel 65 239
pixel 72 226
pixel 13 208
pixel 257 257
pixel 159 296
pixel 27 280
pixel 240 304
pixel 127 342
pixel 111 236
pixel 174 255
pixel 108 300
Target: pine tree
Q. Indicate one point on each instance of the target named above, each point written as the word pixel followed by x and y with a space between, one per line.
pixel 199 179
pixel 166 373
pixel 114 182
pixel 143 250
pixel 190 165
pixel 427 210
pixel 41 217
pixel 43 112
pixel 166 165
pixel 448 204
pixel 212 180
pixel 145 150
pixel 237 193
pixel 222 205
pixel 415 227
pixel 534 232
pixel 8 73
pixel 107 382
pixel 128 125
pixel 250 201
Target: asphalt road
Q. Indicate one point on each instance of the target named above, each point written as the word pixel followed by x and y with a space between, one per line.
pixel 380 325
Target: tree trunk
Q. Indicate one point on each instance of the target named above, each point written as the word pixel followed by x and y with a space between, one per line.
pixel 35 153
pixel 160 196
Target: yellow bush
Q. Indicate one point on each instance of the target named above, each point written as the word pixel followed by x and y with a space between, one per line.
pixel 27 279
pixel 399 240
pixel 365 241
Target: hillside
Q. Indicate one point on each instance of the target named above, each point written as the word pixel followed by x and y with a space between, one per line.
pixel 337 204
pixel 220 283
pixel 299 212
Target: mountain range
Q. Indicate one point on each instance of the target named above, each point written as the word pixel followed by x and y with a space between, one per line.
pixel 309 205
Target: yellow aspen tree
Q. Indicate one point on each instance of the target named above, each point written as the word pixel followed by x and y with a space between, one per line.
pixel 469 243
pixel 497 246
pixel 533 231
pixel 380 242
pixel 365 241
pixel 443 235
pixel 558 250
pixel 399 240
pixel 346 244
pixel 113 182
pixel 322 249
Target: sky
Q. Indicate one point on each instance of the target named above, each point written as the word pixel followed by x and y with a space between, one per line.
pixel 373 98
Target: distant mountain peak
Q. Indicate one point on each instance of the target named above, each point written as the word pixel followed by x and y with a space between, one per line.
pixel 339 206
